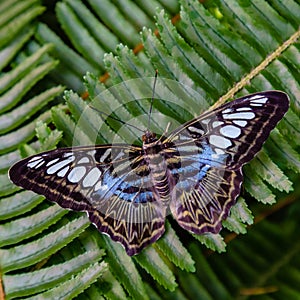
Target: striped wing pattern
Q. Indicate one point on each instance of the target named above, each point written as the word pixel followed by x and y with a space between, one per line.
pixel 127 190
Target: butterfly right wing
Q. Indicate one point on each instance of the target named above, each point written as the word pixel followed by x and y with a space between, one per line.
pixel 110 183
pixel 213 148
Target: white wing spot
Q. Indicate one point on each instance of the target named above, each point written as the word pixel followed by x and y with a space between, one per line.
pixel 259 99
pixel 205 121
pixel 254 97
pixel 100 186
pixel 195 129
pixel 68 154
pixel 51 162
pixel 240 123
pixel 263 100
pixel 119 155
pixel 247 116
pixel 217 123
pixel 92 177
pixel 243 109
pixel 35 162
pixel 63 172
pixel 219 141
pixel 219 151
pixel 182 137
pixel 60 165
pixel 76 174
pixel 105 155
pixel 40 164
pixel 35 158
pixel 230 131
pixel 84 160
pixel 92 153
pixel 255 104
pixel 227 111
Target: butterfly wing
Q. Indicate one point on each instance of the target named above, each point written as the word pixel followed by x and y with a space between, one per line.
pixel 213 148
pixel 110 183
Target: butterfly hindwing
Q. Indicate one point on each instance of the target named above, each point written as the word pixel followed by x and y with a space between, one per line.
pixel 202 207
pixel 134 225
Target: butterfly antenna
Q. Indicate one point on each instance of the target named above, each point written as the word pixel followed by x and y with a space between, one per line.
pixel 165 132
pixel 113 118
pixel 152 98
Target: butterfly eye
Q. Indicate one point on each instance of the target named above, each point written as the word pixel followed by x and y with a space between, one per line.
pixel 149 137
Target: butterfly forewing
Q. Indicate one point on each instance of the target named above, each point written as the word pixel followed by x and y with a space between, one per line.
pixel 236 130
pixel 126 190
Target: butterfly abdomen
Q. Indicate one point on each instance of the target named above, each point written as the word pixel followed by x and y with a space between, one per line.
pixel 158 158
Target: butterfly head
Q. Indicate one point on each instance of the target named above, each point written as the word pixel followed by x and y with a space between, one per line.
pixel 149 137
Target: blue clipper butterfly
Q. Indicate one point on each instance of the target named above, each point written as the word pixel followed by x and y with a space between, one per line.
pixel 127 190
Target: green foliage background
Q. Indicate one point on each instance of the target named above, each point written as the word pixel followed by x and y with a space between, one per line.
pixel 48 46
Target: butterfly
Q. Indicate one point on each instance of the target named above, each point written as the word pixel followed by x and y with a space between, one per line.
pixel 127 190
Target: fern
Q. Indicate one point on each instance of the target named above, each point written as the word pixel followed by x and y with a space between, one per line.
pixel 216 51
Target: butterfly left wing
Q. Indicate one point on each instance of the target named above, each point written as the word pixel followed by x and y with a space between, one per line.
pixel 110 183
pixel 213 148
